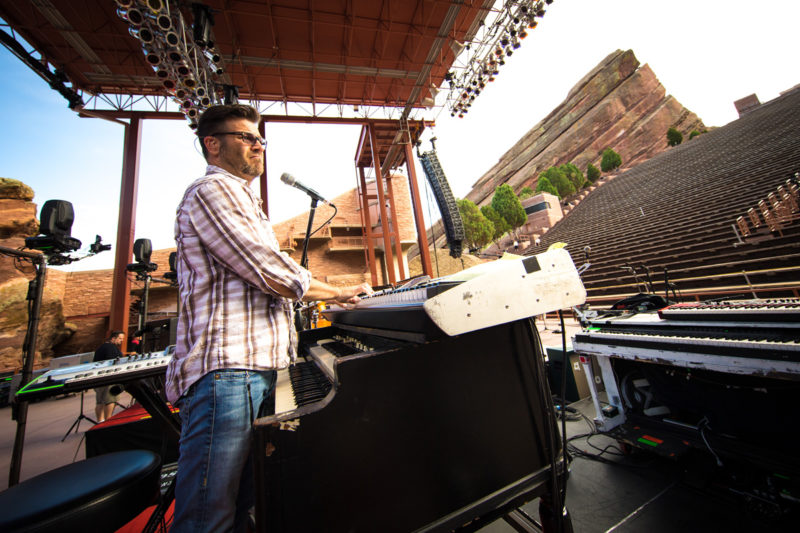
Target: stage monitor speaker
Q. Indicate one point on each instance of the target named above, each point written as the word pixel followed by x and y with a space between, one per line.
pixel 577 386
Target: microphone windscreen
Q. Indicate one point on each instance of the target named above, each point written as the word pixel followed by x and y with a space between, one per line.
pixel 287 178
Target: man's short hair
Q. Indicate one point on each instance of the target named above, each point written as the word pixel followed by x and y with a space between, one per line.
pixel 115 333
pixel 214 117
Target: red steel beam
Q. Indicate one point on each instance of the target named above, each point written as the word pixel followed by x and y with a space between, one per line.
pixel 121 288
pixel 416 204
pixel 365 220
pixel 262 128
pixel 387 238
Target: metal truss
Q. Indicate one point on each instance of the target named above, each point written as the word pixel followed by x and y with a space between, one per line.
pixel 494 42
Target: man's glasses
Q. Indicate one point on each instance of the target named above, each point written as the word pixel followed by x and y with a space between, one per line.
pixel 244 136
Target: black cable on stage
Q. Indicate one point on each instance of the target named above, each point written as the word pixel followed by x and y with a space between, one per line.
pixel 564 367
pixel 547 402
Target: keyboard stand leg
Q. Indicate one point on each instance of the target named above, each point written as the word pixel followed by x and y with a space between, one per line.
pixel 157 407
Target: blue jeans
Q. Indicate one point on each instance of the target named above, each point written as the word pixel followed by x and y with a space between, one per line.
pixel 214 485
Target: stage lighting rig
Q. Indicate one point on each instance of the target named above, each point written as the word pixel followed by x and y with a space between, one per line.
pixel 177 40
pixel 499 38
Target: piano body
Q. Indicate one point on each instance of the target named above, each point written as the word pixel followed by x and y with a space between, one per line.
pixel 391 424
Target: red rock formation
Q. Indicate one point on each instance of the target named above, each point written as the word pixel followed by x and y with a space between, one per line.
pixel 617 105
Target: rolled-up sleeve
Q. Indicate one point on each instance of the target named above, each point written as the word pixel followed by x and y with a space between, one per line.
pixel 235 233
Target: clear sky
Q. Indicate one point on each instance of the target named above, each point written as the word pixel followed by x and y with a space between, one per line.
pixel 707 54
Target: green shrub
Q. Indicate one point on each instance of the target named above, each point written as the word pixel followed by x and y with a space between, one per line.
pixel 592 173
pixel 526 192
pixel 544 185
pixel 560 181
pixel 574 175
pixel 674 137
pixel 610 161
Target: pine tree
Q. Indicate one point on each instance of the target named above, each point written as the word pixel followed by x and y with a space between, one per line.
pixel 478 230
pixel 508 206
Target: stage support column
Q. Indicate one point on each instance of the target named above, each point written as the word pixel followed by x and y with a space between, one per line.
pixel 387 237
pixel 121 288
pixel 262 180
pixel 367 224
pixel 416 204
pixel 398 246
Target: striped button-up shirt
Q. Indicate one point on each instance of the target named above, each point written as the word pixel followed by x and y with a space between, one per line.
pixel 229 263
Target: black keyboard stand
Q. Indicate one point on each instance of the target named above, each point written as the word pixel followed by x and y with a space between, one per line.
pixel 77 423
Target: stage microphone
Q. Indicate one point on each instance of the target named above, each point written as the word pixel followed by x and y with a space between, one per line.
pixel 288 179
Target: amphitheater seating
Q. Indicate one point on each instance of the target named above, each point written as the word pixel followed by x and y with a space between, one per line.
pixel 719 213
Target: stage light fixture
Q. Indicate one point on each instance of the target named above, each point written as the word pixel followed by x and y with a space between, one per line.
pixel 205 101
pixel 182 69
pixel 231 93
pixel 515 44
pixel 171 38
pixel 523 33
pixel 154 58
pixel 124 3
pixel 189 82
pixel 155 6
pixel 172 275
pixel 162 73
pixel 181 93
pixel 142 248
pixel 55 229
pixel 145 34
pixel 164 22
pixel 133 16
pixel 203 20
pixel 174 56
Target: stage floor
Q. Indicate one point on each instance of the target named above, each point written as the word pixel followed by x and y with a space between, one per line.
pixel 634 493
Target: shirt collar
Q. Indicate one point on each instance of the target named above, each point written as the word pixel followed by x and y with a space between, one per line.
pixel 214 169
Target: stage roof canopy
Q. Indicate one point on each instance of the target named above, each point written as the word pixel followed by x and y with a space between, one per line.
pixel 347 52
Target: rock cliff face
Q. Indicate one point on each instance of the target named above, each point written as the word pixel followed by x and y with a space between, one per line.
pixel 17 221
pixel 619 105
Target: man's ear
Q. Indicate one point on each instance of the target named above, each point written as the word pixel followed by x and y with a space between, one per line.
pixel 211 144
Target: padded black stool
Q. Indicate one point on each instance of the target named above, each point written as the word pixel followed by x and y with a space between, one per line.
pixel 98 494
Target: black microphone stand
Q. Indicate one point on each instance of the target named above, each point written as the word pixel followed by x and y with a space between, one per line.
pixel 20 407
pixel 304 257
pixel 299 322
